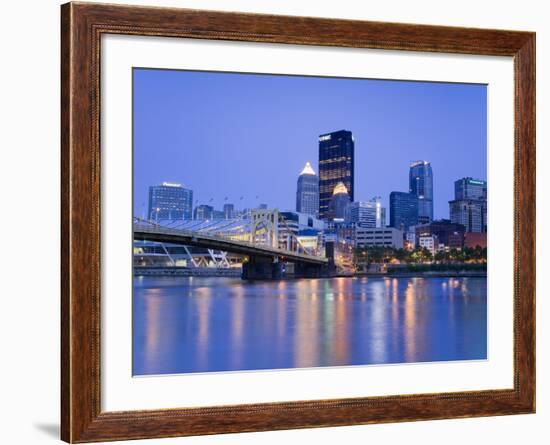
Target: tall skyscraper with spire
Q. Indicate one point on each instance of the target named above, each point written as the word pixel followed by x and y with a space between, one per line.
pixel 421 186
pixel 307 192
pixel 336 164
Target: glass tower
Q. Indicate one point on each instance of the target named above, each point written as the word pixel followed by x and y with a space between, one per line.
pixel 469 188
pixel 170 201
pixel 336 164
pixel 307 192
pixel 421 185
pixel 403 210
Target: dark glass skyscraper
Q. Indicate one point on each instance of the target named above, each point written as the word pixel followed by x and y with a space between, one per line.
pixel 170 201
pixel 421 185
pixel 336 164
pixel 307 192
pixel 403 210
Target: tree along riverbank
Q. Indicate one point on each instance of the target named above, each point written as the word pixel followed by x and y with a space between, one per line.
pixel 429 270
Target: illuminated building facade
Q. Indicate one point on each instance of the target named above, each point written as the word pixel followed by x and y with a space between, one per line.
pixel 449 234
pixel 307 192
pixel 170 201
pixel 336 164
pixel 339 205
pixel 368 213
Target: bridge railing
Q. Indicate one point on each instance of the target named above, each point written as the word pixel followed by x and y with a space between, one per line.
pixel 154 228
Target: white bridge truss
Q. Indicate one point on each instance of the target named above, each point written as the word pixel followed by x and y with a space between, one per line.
pixel 265 227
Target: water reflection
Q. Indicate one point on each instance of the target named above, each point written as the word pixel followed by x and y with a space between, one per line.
pixel 220 324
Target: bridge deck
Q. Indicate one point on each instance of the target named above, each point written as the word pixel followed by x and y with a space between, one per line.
pixel 176 236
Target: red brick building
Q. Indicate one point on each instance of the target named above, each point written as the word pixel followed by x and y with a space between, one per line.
pixel 473 239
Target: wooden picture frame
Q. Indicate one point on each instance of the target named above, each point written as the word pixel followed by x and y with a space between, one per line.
pixel 82 25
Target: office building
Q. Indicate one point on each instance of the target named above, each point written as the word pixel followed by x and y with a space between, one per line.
pixel 403 210
pixel 310 240
pixel 339 205
pixel 336 164
pixel 229 211
pixel 421 186
pixel 430 242
pixel 384 237
pixel 471 213
pixel 469 188
pixel 169 201
pixel 203 212
pixel 368 213
pixel 307 192
pixel 294 226
pixel 449 234
pixel 469 207
pixel 410 239
pixel 218 214
pixel 474 240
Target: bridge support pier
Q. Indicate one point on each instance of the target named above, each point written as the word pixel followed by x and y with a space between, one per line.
pixel 313 271
pixel 259 268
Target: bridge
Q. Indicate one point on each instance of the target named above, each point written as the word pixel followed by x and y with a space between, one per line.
pixel 260 244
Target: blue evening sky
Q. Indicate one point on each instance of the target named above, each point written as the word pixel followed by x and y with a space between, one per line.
pixel 249 135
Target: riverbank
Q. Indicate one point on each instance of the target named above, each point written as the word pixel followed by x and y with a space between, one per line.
pixel 236 273
pixel 146 271
pixel 426 274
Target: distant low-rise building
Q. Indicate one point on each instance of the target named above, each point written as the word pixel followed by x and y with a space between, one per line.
pixel 309 239
pixel 378 237
pixel 218 214
pixel 473 239
pixel 448 233
pixel 292 225
pixel 410 239
pixel 203 211
pixel 229 211
pixel 430 242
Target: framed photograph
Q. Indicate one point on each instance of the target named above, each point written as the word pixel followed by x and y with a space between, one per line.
pixel 274 222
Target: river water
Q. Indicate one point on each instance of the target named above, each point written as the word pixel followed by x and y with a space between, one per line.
pixel 190 324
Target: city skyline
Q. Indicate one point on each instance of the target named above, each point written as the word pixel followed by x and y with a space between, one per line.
pixel 274 182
